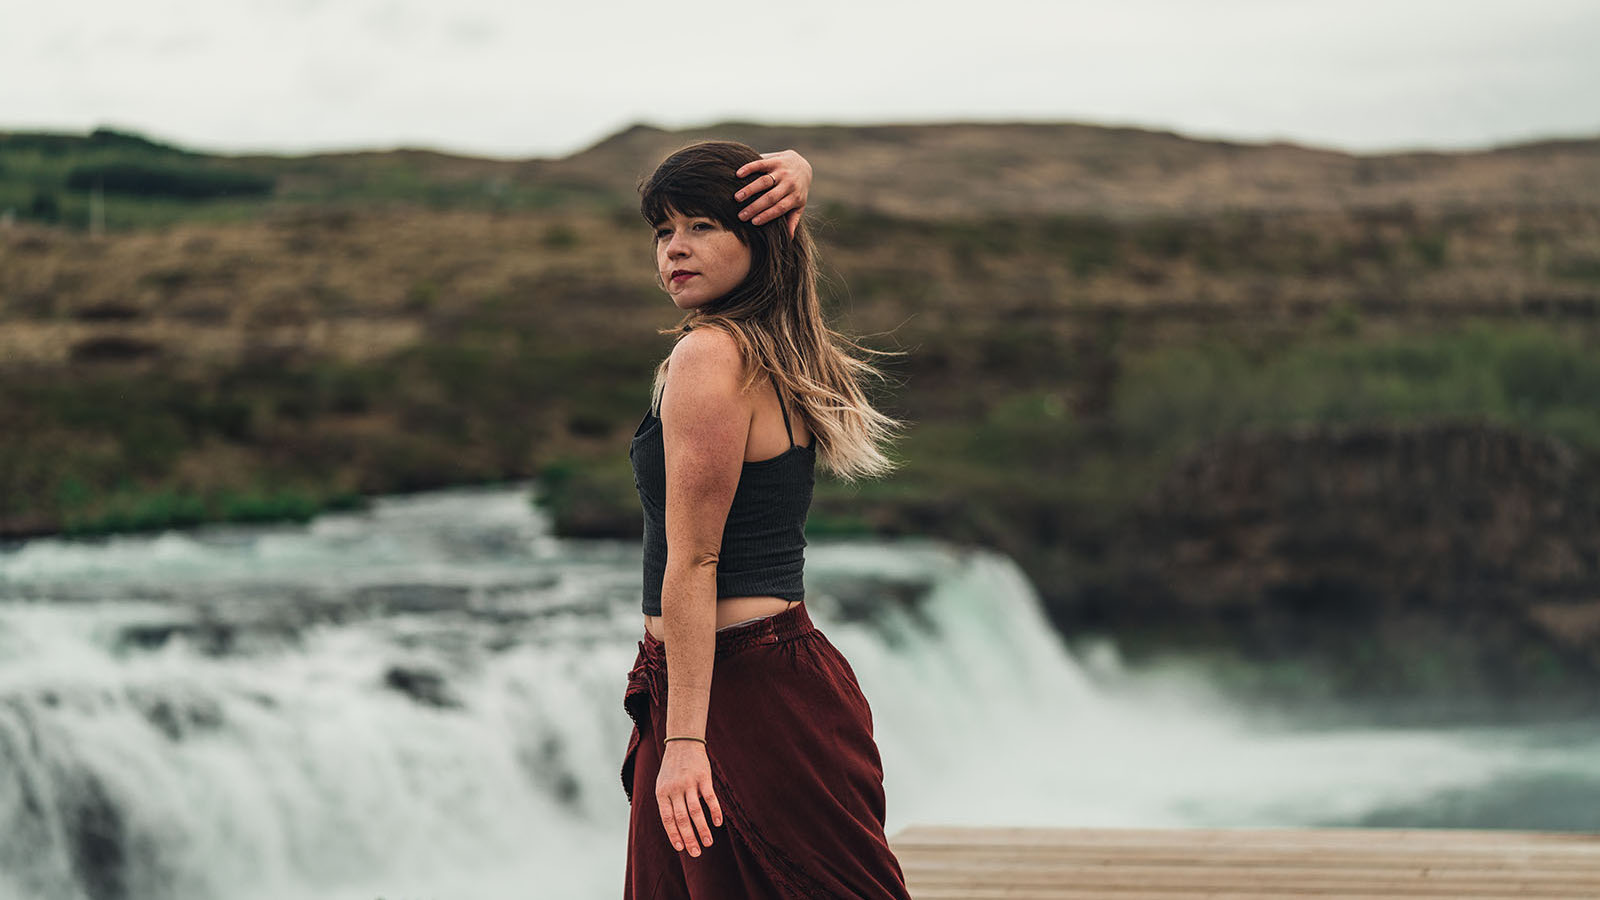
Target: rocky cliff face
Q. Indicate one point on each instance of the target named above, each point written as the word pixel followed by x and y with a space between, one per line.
pixel 1452 557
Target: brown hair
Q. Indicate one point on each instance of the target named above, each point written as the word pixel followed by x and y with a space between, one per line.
pixel 775 315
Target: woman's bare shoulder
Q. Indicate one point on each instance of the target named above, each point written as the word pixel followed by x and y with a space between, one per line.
pixel 709 351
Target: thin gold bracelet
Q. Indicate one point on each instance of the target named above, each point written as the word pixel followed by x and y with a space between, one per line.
pixel 685 737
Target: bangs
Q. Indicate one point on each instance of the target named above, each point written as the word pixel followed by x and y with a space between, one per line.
pixel 690 191
pixel 657 207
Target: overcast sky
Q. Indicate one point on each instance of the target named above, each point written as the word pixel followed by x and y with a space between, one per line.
pixel 531 78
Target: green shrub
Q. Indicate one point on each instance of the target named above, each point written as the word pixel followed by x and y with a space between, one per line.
pixel 560 237
pixel 1343 319
pixel 44 207
pixel 266 505
pixel 1089 243
pixel 1431 248
pixel 422 296
pixel 824 525
pixel 1577 268
pixel 151 180
pixel 133 510
pixel 127 140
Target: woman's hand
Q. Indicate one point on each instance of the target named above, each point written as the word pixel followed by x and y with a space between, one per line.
pixel 685 777
pixel 781 182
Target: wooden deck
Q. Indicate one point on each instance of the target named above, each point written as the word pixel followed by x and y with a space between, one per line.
pixel 942 863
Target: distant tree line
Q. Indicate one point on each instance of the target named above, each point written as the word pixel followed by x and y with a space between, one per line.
pixel 157 180
pixel 57 144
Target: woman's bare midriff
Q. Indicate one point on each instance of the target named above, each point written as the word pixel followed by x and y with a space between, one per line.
pixel 729 611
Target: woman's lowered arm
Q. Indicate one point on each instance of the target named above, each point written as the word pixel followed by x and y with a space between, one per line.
pixel 705 421
pixel 705 424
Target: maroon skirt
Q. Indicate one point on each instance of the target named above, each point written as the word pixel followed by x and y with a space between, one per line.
pixel 793 763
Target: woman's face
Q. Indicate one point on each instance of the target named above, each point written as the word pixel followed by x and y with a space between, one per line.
pixel 698 259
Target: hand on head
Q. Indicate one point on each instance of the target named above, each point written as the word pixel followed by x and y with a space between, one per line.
pixel 779 183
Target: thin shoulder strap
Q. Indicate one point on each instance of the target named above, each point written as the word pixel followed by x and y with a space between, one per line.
pixel 782 407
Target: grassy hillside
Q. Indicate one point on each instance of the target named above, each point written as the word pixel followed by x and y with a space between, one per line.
pixel 416 299
pixel 932 172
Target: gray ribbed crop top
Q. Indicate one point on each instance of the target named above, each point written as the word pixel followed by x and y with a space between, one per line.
pixel 763 539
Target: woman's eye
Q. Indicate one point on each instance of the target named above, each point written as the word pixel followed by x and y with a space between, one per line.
pixel 663 232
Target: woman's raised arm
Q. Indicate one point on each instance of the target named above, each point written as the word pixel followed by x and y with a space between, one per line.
pixel 780 183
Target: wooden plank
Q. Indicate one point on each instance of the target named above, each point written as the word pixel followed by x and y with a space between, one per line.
pixel 1002 892
pixel 1379 860
pixel 942 862
pixel 1092 893
pixel 1354 837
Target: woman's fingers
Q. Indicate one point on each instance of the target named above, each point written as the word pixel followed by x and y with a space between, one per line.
pixel 756 171
pixel 765 188
pixel 769 205
pixel 698 815
pixel 769 162
pixel 710 796
pixel 682 817
pixel 675 816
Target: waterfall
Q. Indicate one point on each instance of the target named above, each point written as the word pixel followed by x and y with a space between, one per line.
pixel 425 699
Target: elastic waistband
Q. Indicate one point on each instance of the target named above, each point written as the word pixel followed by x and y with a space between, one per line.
pixel 792 623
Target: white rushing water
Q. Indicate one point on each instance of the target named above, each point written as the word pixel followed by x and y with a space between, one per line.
pixel 425 700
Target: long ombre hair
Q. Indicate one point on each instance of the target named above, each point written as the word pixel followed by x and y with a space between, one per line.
pixel 775 315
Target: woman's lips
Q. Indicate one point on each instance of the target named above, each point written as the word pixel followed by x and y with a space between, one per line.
pixel 680 279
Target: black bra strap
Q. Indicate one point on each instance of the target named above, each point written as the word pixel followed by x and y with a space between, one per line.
pixel 782 407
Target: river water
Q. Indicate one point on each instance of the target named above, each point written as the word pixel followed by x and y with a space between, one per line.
pixel 424 699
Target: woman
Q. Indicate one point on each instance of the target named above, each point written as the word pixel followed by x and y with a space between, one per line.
pixel 752 771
